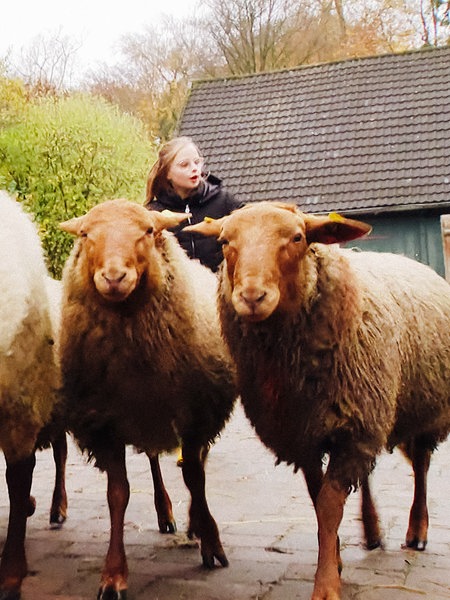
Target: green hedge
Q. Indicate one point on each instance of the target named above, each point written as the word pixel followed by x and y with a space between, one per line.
pixel 64 155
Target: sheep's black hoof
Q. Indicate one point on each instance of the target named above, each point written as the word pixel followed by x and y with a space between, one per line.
pixel 9 594
pixel 223 560
pixel 374 544
pixel 57 520
pixel 415 544
pixel 111 594
pixel 172 527
pixel 169 527
pixel 208 561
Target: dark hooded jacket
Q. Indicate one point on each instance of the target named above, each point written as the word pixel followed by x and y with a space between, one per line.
pixel 208 200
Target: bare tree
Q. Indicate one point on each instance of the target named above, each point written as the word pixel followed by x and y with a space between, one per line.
pixel 403 24
pixel 435 20
pixel 257 35
pixel 48 61
pixel 263 35
pixel 158 65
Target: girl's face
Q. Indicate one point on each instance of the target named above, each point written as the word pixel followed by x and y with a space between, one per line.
pixel 185 171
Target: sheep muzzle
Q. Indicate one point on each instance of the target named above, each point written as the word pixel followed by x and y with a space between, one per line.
pixel 115 283
pixel 255 301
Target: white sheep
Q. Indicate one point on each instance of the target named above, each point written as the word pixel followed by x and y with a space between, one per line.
pixel 338 353
pixel 29 375
pixel 143 361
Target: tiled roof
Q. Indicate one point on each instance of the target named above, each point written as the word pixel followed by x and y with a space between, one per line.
pixel 358 135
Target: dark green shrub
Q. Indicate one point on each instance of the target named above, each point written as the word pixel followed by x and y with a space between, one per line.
pixel 68 154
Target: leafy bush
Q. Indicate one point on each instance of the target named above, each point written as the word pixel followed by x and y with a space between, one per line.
pixel 68 154
pixel 13 98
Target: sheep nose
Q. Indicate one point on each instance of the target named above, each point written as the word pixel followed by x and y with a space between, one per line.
pixel 115 279
pixel 253 297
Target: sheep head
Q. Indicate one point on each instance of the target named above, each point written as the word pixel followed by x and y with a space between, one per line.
pixel 264 245
pixel 117 240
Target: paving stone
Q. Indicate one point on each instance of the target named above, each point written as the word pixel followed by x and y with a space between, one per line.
pixel 267 525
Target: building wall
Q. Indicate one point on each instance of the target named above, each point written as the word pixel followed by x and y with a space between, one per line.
pixel 417 235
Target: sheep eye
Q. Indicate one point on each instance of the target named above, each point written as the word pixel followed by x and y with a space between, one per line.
pixel 83 234
pixel 297 238
pixel 223 242
pixel 150 231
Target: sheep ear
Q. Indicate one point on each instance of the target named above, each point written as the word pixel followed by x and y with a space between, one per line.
pixel 72 226
pixel 334 229
pixel 209 227
pixel 167 219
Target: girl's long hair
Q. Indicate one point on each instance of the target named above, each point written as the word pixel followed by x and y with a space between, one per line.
pixel 157 178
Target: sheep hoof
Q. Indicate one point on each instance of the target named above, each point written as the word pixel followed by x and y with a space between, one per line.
pixel 374 544
pixel 110 593
pixel 223 560
pixel 57 520
pixel 172 527
pixel 208 561
pixel 169 527
pixel 415 544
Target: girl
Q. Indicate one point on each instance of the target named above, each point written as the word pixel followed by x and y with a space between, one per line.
pixel 176 182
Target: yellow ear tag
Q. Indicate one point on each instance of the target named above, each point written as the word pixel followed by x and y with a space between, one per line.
pixel 335 217
pixel 208 219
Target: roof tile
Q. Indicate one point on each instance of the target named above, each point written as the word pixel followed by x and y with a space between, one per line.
pixel 359 134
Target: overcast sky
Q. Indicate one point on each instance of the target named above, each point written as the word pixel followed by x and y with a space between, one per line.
pixel 98 24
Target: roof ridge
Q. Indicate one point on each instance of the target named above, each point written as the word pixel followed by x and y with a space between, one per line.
pixel 356 59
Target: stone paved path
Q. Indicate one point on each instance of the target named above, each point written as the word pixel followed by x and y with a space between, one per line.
pixel 267 527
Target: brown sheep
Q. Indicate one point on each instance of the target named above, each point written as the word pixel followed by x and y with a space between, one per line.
pixel 56 434
pixel 338 353
pixel 143 362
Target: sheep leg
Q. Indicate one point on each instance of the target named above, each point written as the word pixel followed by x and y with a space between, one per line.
pixel 420 456
pixel 114 578
pixel 13 566
pixel 163 505
pixel 369 515
pixel 58 510
pixel 314 478
pixel 201 522
pixel 329 511
pixel 313 474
